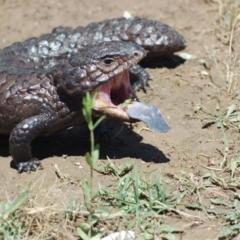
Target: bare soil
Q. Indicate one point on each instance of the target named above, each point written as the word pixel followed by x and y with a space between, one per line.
pixel 188 148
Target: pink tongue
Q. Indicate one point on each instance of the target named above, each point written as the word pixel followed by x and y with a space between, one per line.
pixel 149 114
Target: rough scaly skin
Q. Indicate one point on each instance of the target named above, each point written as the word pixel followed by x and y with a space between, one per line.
pixel 43 80
pixel 36 102
pixel 156 37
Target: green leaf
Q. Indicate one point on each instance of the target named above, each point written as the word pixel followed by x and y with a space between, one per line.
pixel 207 175
pixel 88 104
pixel 90 125
pixel 85 226
pixel 96 236
pixel 233 168
pixel 136 186
pixel 219 202
pixel 169 237
pixel 85 114
pixel 19 200
pixel 89 159
pixel 82 234
pixel 95 155
pixel 227 233
pixel 170 229
pixel 94 219
pixel 231 109
pixel 99 121
pixel 87 192
pixel 194 206
pixel 215 211
pixel 147 236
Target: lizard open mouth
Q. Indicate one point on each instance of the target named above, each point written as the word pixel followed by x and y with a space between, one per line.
pixel 114 96
pixel 116 99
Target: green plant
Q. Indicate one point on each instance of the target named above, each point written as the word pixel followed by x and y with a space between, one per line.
pixel 85 230
pixel 11 227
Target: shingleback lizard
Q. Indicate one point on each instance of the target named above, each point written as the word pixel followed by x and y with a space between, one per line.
pixel 43 80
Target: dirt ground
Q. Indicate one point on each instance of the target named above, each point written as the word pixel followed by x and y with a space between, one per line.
pixel 187 148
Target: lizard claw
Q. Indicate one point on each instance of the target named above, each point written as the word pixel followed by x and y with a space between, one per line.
pixel 141 76
pixel 29 166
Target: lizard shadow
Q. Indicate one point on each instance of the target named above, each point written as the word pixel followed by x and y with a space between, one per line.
pixel 168 61
pixel 75 142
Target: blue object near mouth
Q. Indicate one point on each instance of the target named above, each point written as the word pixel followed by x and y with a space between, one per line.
pixel 149 114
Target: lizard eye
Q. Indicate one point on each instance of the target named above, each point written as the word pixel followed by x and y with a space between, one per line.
pixel 108 61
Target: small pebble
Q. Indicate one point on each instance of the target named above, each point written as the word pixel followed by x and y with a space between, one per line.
pixel 127 15
pixel 187 56
pixel 122 235
pixel 204 73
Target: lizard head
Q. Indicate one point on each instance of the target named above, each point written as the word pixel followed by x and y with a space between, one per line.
pixel 108 71
pixel 103 70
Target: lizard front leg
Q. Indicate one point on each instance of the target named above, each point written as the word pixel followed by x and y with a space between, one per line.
pixel 20 142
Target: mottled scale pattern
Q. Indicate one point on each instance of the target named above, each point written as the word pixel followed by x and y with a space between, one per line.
pixel 156 37
pixel 38 101
pixel 45 51
pixel 42 80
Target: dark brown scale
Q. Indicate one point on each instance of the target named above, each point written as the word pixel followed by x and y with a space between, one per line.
pixel 43 80
pixel 39 102
pixel 46 51
pixel 156 37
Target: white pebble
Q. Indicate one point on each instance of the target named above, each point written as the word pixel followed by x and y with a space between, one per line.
pixel 204 73
pixel 122 235
pixel 187 56
pixel 127 15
